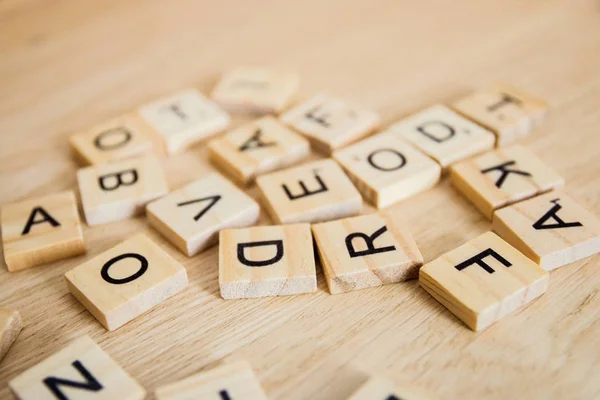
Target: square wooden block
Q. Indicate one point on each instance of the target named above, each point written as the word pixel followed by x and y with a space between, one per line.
pixel 226 382
pixel 191 217
pixel 553 229
pixel 503 177
pixel 380 389
pixel 387 169
pixel 256 90
pixel 444 135
pixel 117 139
pixel 330 123
pixel 266 261
pixel 507 111
pixel 313 192
pixel 120 190
pixel 10 327
pixel 258 147
pixel 125 281
pixel 82 370
pixel 483 280
pixel 184 118
pixel 366 251
pixel 41 230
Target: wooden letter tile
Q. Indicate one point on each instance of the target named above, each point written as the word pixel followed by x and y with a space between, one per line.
pixel 380 389
pixel 503 177
pixel 124 282
pixel 256 90
pixel 266 261
pixel 41 230
pixel 192 216
pixel 552 229
pixel 184 119
pixel 313 192
pixel 386 169
pixel 258 147
pixel 226 382
pixel 330 123
pixel 365 251
pixel 483 280
pixel 10 327
pixel 444 135
pixel 507 111
pixel 120 138
pixel 119 190
pixel 82 370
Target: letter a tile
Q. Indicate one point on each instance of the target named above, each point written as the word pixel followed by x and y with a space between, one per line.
pixel 226 382
pixel 386 169
pixel 365 251
pixel 507 111
pixel 330 123
pixel 192 216
pixel 120 190
pixel 503 177
pixel 553 229
pixel 82 370
pixel 483 280
pixel 444 135
pixel 184 119
pixel 257 147
pixel 120 138
pixel 313 192
pixel 41 230
pixel 380 389
pixel 126 281
pixel 266 261
pixel 10 327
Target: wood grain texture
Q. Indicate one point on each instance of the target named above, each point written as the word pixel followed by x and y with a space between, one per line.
pixel 68 65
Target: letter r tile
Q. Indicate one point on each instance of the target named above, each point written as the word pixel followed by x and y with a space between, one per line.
pixel 266 261
pixel 125 281
pixel 483 280
pixel 503 177
pixel 80 370
pixel 365 251
pixel 313 192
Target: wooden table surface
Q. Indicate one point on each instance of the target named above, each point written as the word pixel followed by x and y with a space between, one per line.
pixel 65 65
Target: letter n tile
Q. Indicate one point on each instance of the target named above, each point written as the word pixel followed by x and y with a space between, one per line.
pixel 266 261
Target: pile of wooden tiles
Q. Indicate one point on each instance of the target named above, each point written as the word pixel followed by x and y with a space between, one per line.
pixel 318 202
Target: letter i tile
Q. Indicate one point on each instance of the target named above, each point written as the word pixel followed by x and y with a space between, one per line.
pixel 119 190
pixel 266 261
pixel 314 192
pixel 126 281
pixel 80 370
pixel 483 280
pixel 365 251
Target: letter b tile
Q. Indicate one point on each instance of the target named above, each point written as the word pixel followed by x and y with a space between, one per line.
pixel 266 261
pixel 503 177
pixel 126 281
pixel 365 251
pixel 82 370
pixel 483 280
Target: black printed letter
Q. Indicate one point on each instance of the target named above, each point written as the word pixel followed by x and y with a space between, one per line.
pixel 121 134
pixel 504 172
pixel 261 263
pixel 212 201
pixel 118 179
pixel 91 384
pixel 551 214
pixel 506 99
pixel 450 132
pixel 320 119
pixel 478 259
pixel 254 142
pixel 371 249
pixel 143 268
pixel 305 192
pixel 401 160
pixel 224 395
pixel 45 218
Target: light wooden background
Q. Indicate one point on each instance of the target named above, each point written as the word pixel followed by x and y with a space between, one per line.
pixel 65 65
